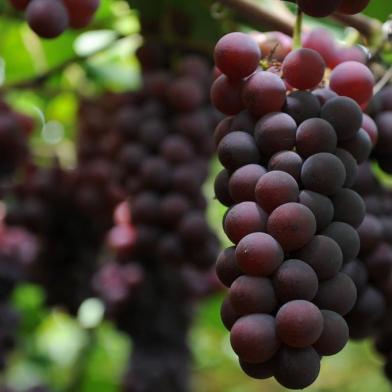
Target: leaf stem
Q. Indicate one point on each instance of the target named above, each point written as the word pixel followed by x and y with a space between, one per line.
pixel 297 34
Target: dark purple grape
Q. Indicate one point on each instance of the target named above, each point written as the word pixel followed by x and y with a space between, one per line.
pixel 356 270
pixel 302 105
pixel 287 161
pixel 360 146
pixel 335 334
pixel 299 323
pixel 370 233
pixel 228 315
pixel 221 188
pixel 259 254
pixel 254 339
pixel 295 280
pixel 350 165
pixel 337 294
pixel 226 95
pixel 259 371
pixel 323 254
pixel 348 207
pixel 227 268
pixel 242 183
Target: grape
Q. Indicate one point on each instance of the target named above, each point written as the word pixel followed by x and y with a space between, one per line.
pixel 292 225
pixel 295 280
pixel 297 368
pixel 227 268
pixel 344 114
pixel 170 249
pixel 243 182
pixel 254 339
pixel 251 294
pixel 185 94
pixel 238 149
pixel 351 7
pixel 274 44
pixel 349 207
pixel 275 132
pixel 337 294
pixel 263 93
pixel 320 205
pixel 228 315
pixel 47 18
pixel 274 189
pixel 350 165
pixel 323 173
pixel 379 263
pixel 356 270
pixel 259 371
pixel 222 129
pixel 152 132
pixel 384 124
pixel 145 208
pixel 354 80
pixel 370 306
pixel 324 95
pixel 315 135
pixel 156 173
pixel 172 207
pixel 360 146
pixel 335 334
pixel 302 105
pixel 344 54
pixel 81 13
pixel 243 121
pixel 303 68
pixel 221 188
pixel 370 233
pixel 323 42
pixel 370 127
pixel 177 150
pixel 323 255
pixel 185 180
pixel 299 323
pixel 321 9
pixel 259 254
pixel 346 237
pixel 237 55
pixel 193 228
pixel 242 219
pixel 226 95
pixel 287 161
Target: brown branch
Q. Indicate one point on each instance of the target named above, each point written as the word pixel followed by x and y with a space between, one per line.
pixel 366 26
pixel 258 16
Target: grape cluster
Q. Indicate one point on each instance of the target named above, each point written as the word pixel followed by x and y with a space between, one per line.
pixel 323 8
pixel 50 18
pixel 290 150
pixel 70 212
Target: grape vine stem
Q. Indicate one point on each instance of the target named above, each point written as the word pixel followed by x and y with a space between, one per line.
pixel 297 41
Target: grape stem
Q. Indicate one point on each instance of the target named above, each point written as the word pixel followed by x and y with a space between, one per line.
pixel 259 16
pixel 297 34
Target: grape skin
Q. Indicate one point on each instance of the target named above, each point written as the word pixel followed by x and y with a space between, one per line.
pixel 242 183
pixel 287 161
pixel 225 95
pixel 302 105
pixel 227 268
pixel 348 207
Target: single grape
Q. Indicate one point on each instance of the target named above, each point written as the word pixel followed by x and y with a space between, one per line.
pixel 295 280
pixel 302 105
pixel 360 146
pixel 221 188
pixel 185 94
pixel 350 165
pixel 227 268
pixel 242 183
pixel 81 12
pixel 357 271
pixel 370 127
pixel 274 189
pixel 323 173
pixel 226 95
pixel 254 339
pixel 263 93
pixel 260 371
pixel 344 114
pixel 286 161
pixel 322 41
pixel 251 294
pixel 348 207
pixel 384 124
pixel 370 233
pixel 303 68
pixel 335 334
pixel 315 135
pixel 237 55
pixel 259 254
pixel 319 10
pixel 324 94
pixel 242 219
pixel 228 315
pixel 352 7
pixel 275 132
pixel 337 294
pixel 292 225
pixel 323 254
pixel 297 368
pixel 299 323
pixel 320 205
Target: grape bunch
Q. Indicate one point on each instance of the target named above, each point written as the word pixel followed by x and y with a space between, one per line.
pixel 70 212
pixel 323 8
pixel 162 251
pixel 290 148
pixel 50 18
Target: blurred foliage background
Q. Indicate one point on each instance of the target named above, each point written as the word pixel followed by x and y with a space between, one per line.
pixel 56 349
